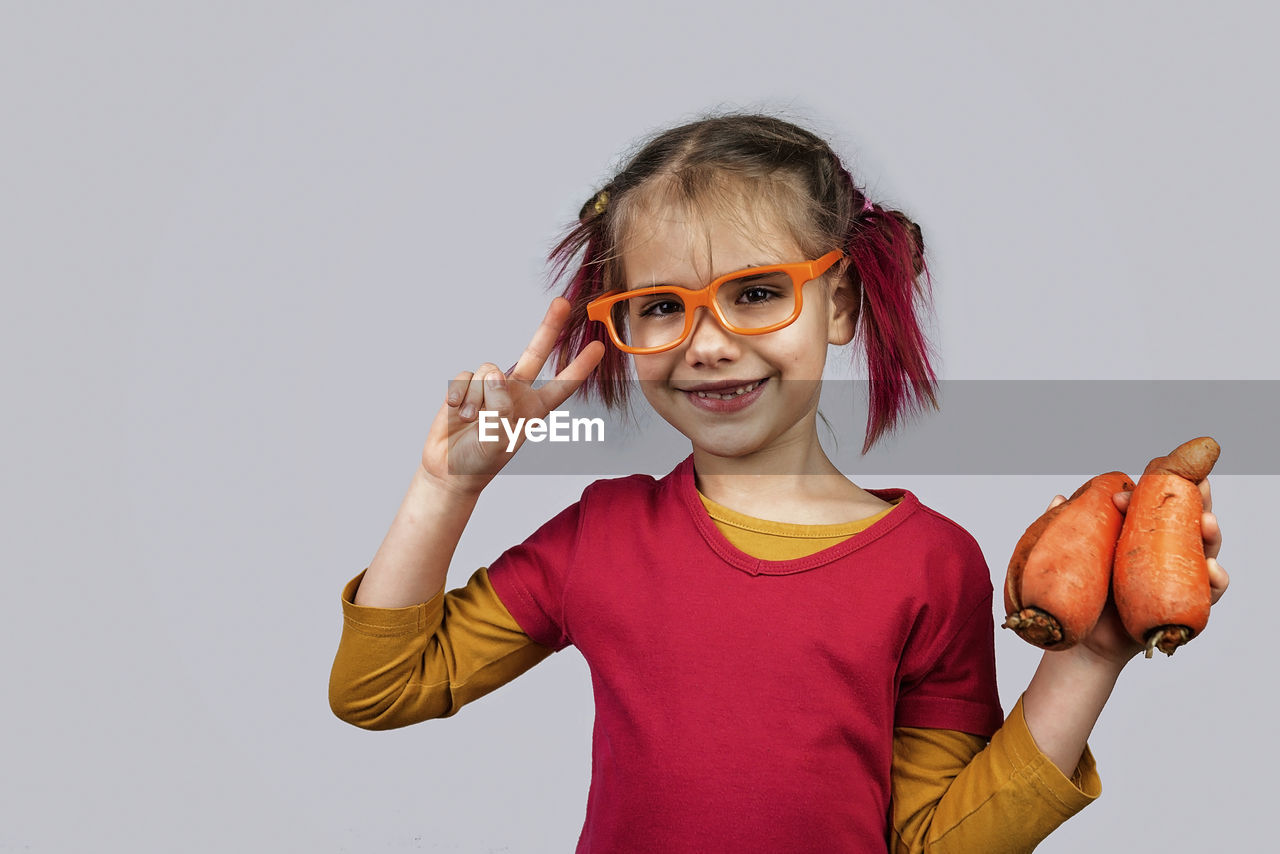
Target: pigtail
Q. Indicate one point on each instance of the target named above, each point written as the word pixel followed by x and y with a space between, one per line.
pixel 886 249
pixel 584 245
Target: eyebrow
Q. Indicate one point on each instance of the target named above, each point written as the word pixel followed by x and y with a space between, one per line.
pixel 713 278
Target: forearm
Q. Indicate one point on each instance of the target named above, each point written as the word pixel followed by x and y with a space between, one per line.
pixel 951 796
pixel 1064 700
pixel 411 564
pixel 399 666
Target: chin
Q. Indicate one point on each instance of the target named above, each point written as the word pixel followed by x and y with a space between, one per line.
pixel 731 443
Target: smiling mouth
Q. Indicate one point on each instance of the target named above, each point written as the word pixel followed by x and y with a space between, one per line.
pixel 729 394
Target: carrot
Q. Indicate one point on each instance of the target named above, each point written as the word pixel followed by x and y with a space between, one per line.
pixel 1058 577
pixel 1161 577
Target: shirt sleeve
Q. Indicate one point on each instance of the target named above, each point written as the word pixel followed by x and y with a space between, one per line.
pixel 948 680
pixel 952 792
pixel 530 579
pixel 400 666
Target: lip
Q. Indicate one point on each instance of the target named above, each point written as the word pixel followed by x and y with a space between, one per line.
pixel 721 386
pixel 732 404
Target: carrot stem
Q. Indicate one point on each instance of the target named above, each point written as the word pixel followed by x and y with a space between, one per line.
pixel 1167 639
pixel 1035 626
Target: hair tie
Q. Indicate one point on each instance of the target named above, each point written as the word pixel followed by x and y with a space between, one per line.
pixel 867 205
pixel 602 202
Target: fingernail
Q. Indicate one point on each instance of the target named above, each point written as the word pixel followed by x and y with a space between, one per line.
pixel 467 411
pixel 453 398
pixel 494 380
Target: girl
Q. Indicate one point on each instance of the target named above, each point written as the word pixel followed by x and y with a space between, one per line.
pixel 780 663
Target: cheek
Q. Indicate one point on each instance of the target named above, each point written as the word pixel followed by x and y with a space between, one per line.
pixel 806 350
pixel 656 392
pixel 651 368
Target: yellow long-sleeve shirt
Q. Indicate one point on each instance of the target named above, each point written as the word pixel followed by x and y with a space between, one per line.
pixel 951 791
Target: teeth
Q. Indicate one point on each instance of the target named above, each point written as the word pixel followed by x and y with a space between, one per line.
pixel 731 395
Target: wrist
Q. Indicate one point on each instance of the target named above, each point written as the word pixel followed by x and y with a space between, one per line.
pixel 451 488
pixel 1082 668
pixel 1102 661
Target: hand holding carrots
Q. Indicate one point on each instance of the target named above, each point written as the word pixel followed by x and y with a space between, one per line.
pixel 1164 576
pixel 1109 639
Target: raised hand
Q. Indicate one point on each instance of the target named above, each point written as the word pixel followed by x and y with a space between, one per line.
pixel 453 454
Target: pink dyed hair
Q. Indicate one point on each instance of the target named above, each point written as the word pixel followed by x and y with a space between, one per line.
pixel 798 174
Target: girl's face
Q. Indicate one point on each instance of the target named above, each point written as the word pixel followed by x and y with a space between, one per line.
pixel 696 386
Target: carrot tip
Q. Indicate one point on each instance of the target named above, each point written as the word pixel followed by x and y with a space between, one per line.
pixel 1167 639
pixel 1035 627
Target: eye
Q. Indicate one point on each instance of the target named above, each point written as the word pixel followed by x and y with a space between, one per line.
pixel 757 294
pixel 662 306
pixel 757 290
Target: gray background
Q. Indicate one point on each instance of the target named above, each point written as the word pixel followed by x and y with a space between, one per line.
pixel 244 246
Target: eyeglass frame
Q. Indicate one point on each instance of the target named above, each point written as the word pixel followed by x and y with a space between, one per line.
pixel 601 308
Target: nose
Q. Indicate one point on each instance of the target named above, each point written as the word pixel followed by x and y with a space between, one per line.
pixel 709 343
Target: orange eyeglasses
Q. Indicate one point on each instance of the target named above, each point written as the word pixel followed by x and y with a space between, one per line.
pixel 753 301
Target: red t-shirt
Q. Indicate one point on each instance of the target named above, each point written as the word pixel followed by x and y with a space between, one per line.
pixel 743 704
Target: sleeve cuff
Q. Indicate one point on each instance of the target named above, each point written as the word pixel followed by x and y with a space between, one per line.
pixel 389 622
pixel 1074 793
pixel 968 716
pixel 525 609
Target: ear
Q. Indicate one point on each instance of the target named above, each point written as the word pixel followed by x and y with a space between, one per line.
pixel 842 308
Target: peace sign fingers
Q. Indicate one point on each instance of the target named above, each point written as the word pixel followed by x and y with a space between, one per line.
pixel 535 355
pixel 540 347
pixel 574 375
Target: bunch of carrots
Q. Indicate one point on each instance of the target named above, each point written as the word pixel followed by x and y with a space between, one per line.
pixel 1151 560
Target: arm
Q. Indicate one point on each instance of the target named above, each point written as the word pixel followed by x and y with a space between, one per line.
pixel 409 652
pixel 1069 688
pixel 950 794
pixel 1064 699
pixel 954 793
pixel 951 790
pixel 411 564
pixel 400 666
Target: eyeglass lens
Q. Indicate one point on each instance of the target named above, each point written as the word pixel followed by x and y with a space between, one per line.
pixel 747 302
